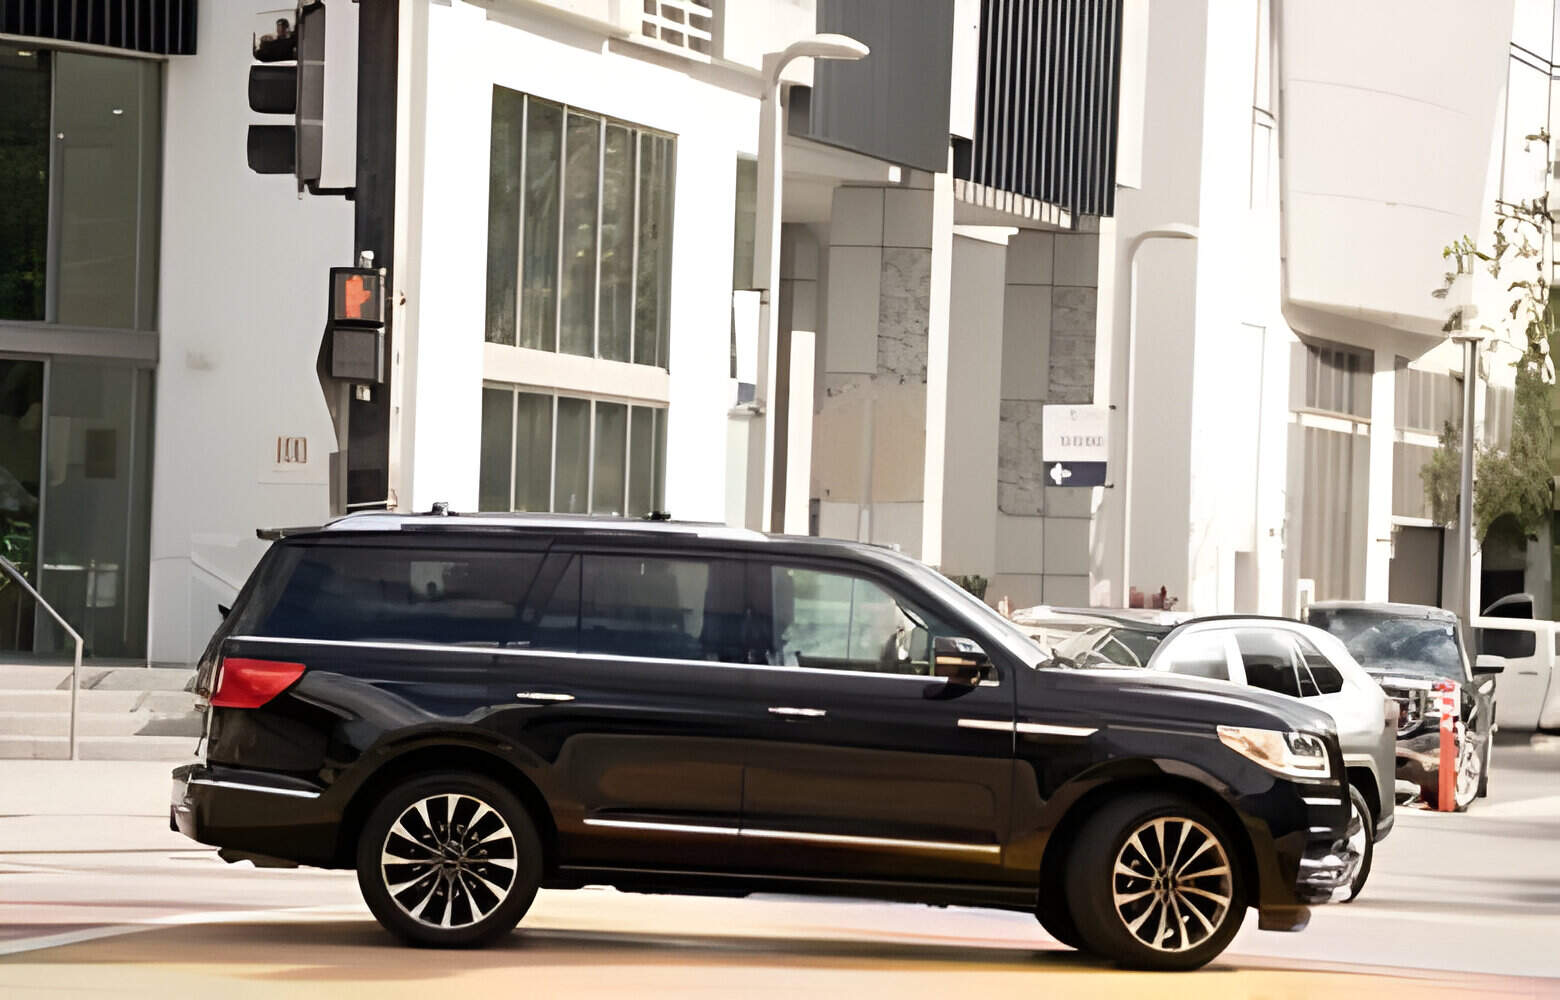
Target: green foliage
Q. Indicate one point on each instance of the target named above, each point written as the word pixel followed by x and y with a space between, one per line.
pixel 1517 481
pixel 974 584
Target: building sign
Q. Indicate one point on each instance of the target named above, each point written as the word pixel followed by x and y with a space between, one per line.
pixel 1074 444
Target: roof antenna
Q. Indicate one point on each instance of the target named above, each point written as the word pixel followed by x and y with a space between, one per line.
pixel 441 508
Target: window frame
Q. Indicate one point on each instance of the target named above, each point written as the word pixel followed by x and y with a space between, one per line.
pixel 761 611
pixel 660 414
pixel 637 133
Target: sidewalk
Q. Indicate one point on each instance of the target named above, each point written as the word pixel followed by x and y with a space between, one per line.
pixel 85 805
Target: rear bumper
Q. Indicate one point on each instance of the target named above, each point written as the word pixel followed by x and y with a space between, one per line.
pixel 254 812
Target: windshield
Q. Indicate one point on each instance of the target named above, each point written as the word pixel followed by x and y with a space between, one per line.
pixel 1109 646
pixel 1386 643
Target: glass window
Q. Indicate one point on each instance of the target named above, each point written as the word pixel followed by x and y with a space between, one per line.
pixel 542 452
pixel 1317 673
pixel 1510 643
pixel 582 153
pixel 533 451
pixel 1337 378
pixel 504 194
pixel 641 460
pixel 652 313
pixel 571 467
pixel 616 311
pixel 1269 661
pixel 79 136
pixel 1199 654
pixel 539 230
pixel 24 177
pixel 497 426
pixel 608 474
pixel 834 621
pixel 680 609
pixel 400 594
pixel 574 190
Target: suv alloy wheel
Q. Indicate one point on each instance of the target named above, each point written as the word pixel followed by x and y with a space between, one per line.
pixel 449 860
pixel 1155 884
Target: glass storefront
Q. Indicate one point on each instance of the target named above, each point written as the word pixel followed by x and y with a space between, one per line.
pixel 80 137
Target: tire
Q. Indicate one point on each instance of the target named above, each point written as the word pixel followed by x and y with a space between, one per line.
pixel 1056 919
pixel 449 893
pixel 1484 774
pixel 1367 848
pixel 1113 912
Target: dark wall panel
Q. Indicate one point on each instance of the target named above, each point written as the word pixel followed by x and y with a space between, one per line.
pixel 162 27
pixel 892 105
pixel 1046 102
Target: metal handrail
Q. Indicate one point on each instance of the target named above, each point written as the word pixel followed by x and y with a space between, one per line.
pixel 75 671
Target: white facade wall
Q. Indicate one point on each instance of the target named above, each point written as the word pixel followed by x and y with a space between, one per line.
pixel 242 308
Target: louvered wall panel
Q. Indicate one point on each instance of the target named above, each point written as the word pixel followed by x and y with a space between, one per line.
pixel 1046 102
pixel 160 27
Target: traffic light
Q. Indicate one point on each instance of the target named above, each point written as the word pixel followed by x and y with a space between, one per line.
pixel 290 78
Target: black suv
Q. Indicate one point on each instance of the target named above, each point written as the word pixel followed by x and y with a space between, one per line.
pixel 468 708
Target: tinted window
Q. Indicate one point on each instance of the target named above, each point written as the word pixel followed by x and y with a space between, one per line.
pixel 1384 642
pixel 1317 673
pixel 835 621
pixel 672 608
pixel 1507 642
pixel 402 594
pixel 1200 654
pixel 1269 661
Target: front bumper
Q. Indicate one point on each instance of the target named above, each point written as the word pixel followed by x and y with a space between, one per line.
pixel 253 812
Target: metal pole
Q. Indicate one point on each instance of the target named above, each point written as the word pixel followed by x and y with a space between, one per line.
pixel 1465 488
pixel 1175 231
pixel 9 568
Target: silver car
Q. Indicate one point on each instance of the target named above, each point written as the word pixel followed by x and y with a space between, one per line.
pixel 1305 662
pixel 1276 654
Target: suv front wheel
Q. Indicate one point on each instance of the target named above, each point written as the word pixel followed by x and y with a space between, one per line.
pixel 449 861
pixel 1154 884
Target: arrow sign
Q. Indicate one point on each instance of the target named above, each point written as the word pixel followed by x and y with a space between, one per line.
pixel 1069 474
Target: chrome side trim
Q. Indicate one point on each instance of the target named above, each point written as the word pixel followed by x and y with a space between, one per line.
pixel 1323 802
pixel 634 824
pixel 543 696
pixel 296 793
pixel 806 713
pixel 813 838
pixel 847 839
pixel 426 647
pixel 996 725
pixel 1040 729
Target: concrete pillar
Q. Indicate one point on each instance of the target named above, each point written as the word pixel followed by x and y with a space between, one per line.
pixel 883 305
pixel 1378 510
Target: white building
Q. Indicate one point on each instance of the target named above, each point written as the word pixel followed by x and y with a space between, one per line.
pixel 1293 368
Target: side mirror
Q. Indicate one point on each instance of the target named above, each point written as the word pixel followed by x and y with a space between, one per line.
pixel 1488 663
pixel 960 660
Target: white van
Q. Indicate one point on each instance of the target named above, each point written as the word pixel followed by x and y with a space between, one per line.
pixel 1528 690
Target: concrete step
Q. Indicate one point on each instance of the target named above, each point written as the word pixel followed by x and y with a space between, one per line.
pixel 167 748
pixel 38 678
pixel 25 700
pixel 100 724
pixel 143 679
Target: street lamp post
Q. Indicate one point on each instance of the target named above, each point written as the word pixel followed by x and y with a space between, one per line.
pixel 1470 343
pixel 1173 231
pixel 766 263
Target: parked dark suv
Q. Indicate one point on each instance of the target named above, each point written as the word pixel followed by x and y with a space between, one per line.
pixel 468 708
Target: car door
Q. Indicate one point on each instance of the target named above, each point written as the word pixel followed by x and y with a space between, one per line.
pixel 864 764
pixel 630 687
pixel 1523 686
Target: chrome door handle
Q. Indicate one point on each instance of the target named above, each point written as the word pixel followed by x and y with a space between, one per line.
pixel 804 713
pixel 543 696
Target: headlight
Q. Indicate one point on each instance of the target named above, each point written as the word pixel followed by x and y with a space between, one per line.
pixel 1294 755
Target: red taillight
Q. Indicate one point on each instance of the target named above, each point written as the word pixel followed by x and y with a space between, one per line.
pixel 246 683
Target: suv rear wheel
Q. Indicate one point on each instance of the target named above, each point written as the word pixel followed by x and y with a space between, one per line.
pixel 449 860
pixel 1154 884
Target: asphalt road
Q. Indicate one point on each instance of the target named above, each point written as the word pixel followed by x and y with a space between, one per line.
pixel 98 898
